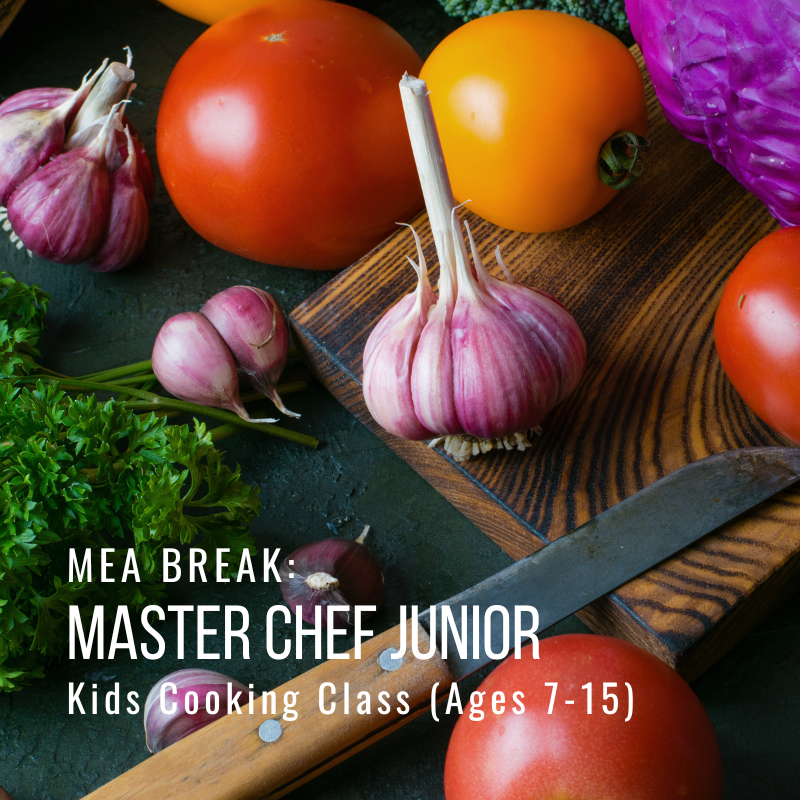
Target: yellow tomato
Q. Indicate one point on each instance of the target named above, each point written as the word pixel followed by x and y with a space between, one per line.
pixel 524 101
pixel 210 11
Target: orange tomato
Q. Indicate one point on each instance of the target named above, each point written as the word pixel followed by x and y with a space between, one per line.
pixel 523 101
pixel 210 11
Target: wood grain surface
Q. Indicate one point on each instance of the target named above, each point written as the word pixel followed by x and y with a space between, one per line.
pixel 643 279
pixel 228 760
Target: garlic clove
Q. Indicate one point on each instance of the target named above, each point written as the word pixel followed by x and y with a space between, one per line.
pixel 544 317
pixel 30 138
pixel 129 218
pixel 333 572
pixel 192 362
pixel 501 377
pixel 389 357
pixel 555 326
pixel 61 211
pixel 252 325
pixel 162 729
pixel 32 131
pixel 432 373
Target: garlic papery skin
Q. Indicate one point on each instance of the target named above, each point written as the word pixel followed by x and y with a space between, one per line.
pixel 492 357
pixel 504 381
pixel 389 355
pixel 45 97
pixel 333 572
pixel 545 317
pixel 129 217
pixel 254 328
pixel 192 362
pixel 189 692
pixel 61 211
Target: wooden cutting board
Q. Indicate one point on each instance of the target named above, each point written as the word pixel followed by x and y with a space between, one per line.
pixel 642 278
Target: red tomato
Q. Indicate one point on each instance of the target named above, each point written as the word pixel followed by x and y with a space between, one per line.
pixel 666 751
pixel 757 330
pixel 281 134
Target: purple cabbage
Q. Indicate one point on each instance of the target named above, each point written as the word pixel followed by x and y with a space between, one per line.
pixel 727 73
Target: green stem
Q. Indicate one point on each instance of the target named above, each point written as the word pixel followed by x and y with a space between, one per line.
pixel 221 431
pixel 619 163
pixel 132 381
pixel 111 374
pixel 155 401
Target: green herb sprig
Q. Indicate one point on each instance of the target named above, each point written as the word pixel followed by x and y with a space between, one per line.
pixel 80 472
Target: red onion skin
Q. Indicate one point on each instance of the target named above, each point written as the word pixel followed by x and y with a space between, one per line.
pixel 129 219
pixel 192 362
pixel 246 317
pixel 351 563
pixel 61 211
pixel 161 732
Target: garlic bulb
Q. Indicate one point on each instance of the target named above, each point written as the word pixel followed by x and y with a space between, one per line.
pixel 480 365
pixel 75 181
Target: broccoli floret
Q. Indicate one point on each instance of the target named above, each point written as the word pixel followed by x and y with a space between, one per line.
pixel 609 14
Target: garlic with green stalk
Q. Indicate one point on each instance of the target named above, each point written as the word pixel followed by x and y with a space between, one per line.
pixel 479 366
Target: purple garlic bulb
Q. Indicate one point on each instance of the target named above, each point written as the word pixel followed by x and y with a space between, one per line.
pixel 75 179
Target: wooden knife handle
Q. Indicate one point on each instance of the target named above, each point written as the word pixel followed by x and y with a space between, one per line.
pixel 228 760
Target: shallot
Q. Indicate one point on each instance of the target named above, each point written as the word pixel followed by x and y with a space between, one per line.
pixel 333 572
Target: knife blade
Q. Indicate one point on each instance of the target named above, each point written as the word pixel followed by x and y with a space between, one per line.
pixel 263 755
pixel 624 541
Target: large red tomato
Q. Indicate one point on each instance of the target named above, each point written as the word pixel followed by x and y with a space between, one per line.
pixel 666 751
pixel 757 330
pixel 281 134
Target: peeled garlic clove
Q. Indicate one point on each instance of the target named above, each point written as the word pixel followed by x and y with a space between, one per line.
pixel 192 362
pixel 389 356
pixel 254 328
pixel 190 688
pixel 333 572
pixel 129 218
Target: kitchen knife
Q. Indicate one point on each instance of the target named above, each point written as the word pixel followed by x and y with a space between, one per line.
pixel 249 756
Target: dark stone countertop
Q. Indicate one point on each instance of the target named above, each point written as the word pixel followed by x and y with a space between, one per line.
pixel 427 549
